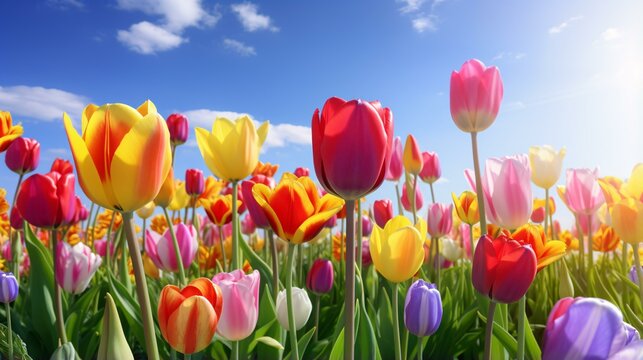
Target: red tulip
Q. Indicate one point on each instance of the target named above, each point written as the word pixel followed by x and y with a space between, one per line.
pixel 406 198
pixel 382 212
pixel 194 182
pixel 81 213
pixel 23 155
pixel 503 269
pixel 302 171
pixel 15 219
pixel 177 124
pixel 352 142
pixel 62 167
pixel 47 201
pixel 240 198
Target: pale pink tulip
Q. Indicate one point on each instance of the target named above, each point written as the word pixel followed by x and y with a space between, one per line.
pixel 439 219
pixel 240 304
pixel 583 193
pixel 160 249
pixel 75 266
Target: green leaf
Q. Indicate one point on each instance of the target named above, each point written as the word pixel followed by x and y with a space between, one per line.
pixel 257 263
pixel 302 343
pixel 270 342
pixel 338 348
pixel 19 347
pixel 261 332
pixel 531 345
pixel 507 341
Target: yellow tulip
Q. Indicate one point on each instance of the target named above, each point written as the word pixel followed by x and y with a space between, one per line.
pixel 122 155
pixel 181 198
pixel 231 150
pixel 634 185
pixel 147 210
pixel 167 191
pixel 627 220
pixel 546 164
pixel 397 249
pixel 466 207
pixel 412 157
pixel 611 187
pixel 8 131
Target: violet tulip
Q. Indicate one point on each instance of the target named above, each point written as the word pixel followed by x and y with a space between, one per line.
pixel 439 219
pixel 586 328
pixel 240 304
pixel 75 266
pixel 506 185
pixel 382 212
pixel 160 249
pixel 177 124
pixel 8 287
pixel 23 155
pixel 583 193
pixel 396 166
pixel 320 277
pixel 194 182
pixel 422 308
pixel 431 170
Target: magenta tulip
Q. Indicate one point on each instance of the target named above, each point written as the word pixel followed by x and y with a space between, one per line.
pixel 301 171
pixel 382 212
pixel 583 193
pixel 254 209
pixel 177 124
pixel 396 166
pixel 160 249
pixel 23 155
pixel 248 226
pixel 194 182
pixel 431 170
pixel 47 201
pixel 75 266
pixel 320 277
pixel 439 219
pixel 240 304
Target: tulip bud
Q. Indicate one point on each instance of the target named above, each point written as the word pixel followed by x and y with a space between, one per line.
pixel 466 207
pixel 367 225
pixel 396 167
pixel 177 124
pixel 75 266
pixel 382 212
pixel 302 307
pixel 627 220
pixel 422 308
pixel 8 287
pixel 546 164
pixel 412 156
pixel 450 249
pixel 23 155
pixel 147 210
pixel 240 304
pixel 583 192
pixel 397 249
pixel 406 197
pixel 161 248
pixel 302 171
pixel 62 166
pixel 101 247
pixel 565 286
pixel 16 219
pixel 194 182
pixel 254 209
pixel 431 170
pixel 113 344
pixel 366 253
pixel 320 277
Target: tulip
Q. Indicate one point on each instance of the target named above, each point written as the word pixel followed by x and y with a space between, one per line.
pixel 585 328
pixel 180 199
pixel 546 164
pixel 382 212
pixel 219 209
pixel 161 248
pixel 507 190
pixel 122 156
pixel 302 171
pixel 167 192
pixel 23 155
pixel 539 213
pixel 627 220
pixel 188 318
pixel 634 185
pixel 81 211
pixel 605 239
pixel 396 249
pixel 466 207
pixel 75 266
pixel 476 93
pixel 546 251
pixel 265 169
pixel 248 226
pixel 177 125
pixel 212 188
pixel 8 287
pixel 503 269
pixel 47 201
pixel 422 308
pixel 254 209
pixel 240 304
pixel 583 193
pixel 331 222
pixel 113 343
pixel 62 166
pixel 367 225
pixel 439 219
pixel 301 304
pixel 231 150
pixel 15 219
pixel 294 210
pixel 412 158
pixel 319 279
pixel 146 210
pixel 101 247
pixel 431 170
pixel 632 275
pixel 194 182
pixel 450 249
pixel 406 201
pixel 396 166
pixel 346 166
pixel 8 131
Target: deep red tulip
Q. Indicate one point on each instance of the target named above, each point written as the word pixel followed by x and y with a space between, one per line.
pixel 177 124
pixel 62 167
pixel 302 171
pixel 503 269
pixel 47 201
pixel 352 142
pixel 23 155
pixel 194 182
pixel 382 212
pixel 15 219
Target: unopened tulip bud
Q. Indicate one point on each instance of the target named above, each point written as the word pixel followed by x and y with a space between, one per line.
pixel 301 305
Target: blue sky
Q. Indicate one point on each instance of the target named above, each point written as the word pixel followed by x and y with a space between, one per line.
pixel 572 71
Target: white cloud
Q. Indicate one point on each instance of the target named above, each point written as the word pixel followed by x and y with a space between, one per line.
pixel 423 23
pixel 611 34
pixel 147 38
pixel 509 55
pixel 248 15
pixel 239 47
pixel 40 103
pixel 280 135
pixel 423 19
pixel 410 5
pixel 557 29
pixel 66 4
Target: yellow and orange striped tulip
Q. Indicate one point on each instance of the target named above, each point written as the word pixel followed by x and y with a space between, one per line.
pixel 122 155
pixel 8 131
pixel 466 207
pixel 605 239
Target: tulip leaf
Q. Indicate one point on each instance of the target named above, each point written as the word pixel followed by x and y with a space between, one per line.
pixel 507 341
pixel 19 347
pixel 41 291
pixel 531 345
pixel 337 353
pixel 268 326
pixel 261 332
pixel 302 344
pixel 270 342
pixel 256 262
pixel 65 351
pixel 366 342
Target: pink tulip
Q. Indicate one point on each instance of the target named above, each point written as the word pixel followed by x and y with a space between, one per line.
pixel 248 226
pixel 476 93
pixel 75 266
pixel 406 202
pixel 101 247
pixel 240 304
pixel 439 219
pixel 160 249
pixel 507 190
pixel 584 225
pixel 396 167
pixel 302 171
pixel 431 170
pixel 584 195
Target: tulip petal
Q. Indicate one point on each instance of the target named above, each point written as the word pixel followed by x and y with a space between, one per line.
pixel 203 141
pixel 169 300
pixel 331 205
pixel 192 325
pixel 262 131
pixel 261 193
pixel 509 284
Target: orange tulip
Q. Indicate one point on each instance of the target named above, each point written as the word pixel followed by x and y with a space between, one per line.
pixel 570 241
pixel 212 188
pixel 188 318
pixel 266 169
pixel 8 131
pixel 219 209
pixel 546 251
pixel 412 157
pixel 605 239
pixel 294 210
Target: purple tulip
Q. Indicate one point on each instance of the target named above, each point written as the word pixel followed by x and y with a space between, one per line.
pixel 367 225
pixel 633 276
pixel 586 328
pixel 160 249
pixel 8 287
pixel 320 277
pixel 254 209
pixel 422 308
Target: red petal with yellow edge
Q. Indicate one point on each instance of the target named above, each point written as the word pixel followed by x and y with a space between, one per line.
pixel 169 300
pixel 311 190
pixel 192 326
pixel 291 205
pixel 206 288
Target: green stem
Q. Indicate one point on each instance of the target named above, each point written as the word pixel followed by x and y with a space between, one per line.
pixel 413 204
pixel 317 303
pixel 342 247
pixel 360 233
pixel 235 351
pixel 275 265
pixel 58 304
pixel 521 327
pixel 420 350
pixel 581 246
pixel 488 330
pixel 89 221
pixel 236 261
pixel 143 233
pixel 400 208
pixel 438 263
pixel 349 290
pixel 396 323
pixel 479 192
pixel 291 312
pixel 471 242
pixel 300 268
pixel 122 264
pixel 108 242
pixel 545 227
pixel 177 251
pixel 7 309
pixel 15 258
pixel 637 265
pixel 432 193
pixel 221 243
pixel 141 287
pixel 590 242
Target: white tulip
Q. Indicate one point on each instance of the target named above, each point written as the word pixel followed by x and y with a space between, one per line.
pixel 302 307
pixel 450 249
pixel 546 164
